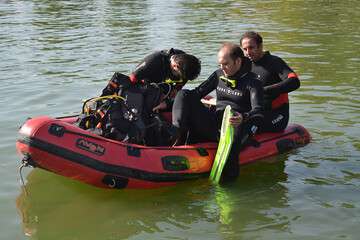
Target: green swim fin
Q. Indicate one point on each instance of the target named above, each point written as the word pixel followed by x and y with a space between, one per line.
pixel 225 143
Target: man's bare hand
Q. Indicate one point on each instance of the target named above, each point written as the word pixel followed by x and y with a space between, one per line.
pixel 236 119
pixel 159 107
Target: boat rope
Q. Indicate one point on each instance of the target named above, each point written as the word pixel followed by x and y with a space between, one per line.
pixel 23 164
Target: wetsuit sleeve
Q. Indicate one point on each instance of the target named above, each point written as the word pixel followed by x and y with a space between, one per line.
pixel 289 79
pixel 207 86
pixel 147 69
pixel 256 99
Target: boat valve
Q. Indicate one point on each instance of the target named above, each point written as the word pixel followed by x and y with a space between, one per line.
pixel 27 161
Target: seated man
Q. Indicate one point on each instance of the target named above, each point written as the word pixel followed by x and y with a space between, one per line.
pixel 278 80
pixel 236 86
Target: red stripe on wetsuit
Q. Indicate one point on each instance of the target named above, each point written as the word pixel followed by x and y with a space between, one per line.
pixel 282 98
pixel 134 80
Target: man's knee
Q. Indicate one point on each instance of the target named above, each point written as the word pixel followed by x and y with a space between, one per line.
pixel 182 94
pixel 182 108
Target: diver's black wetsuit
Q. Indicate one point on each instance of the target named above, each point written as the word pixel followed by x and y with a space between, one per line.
pixel 278 80
pixel 246 97
pixel 154 68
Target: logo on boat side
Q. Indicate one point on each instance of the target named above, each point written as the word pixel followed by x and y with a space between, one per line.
pixel 90 146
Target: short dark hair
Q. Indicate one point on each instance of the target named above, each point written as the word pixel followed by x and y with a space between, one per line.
pixel 252 35
pixel 234 50
pixel 190 66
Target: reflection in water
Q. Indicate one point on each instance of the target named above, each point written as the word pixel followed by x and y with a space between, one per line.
pixel 259 194
pixel 60 207
pixel 56 206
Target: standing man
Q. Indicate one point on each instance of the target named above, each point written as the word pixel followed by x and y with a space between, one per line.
pixel 278 80
pixel 236 86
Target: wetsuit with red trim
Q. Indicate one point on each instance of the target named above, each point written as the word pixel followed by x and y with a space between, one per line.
pixel 198 123
pixel 154 68
pixel 278 80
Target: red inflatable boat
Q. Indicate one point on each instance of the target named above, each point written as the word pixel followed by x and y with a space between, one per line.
pixel 59 146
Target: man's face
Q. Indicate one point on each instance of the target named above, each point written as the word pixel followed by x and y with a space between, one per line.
pixel 251 50
pixel 175 69
pixel 227 64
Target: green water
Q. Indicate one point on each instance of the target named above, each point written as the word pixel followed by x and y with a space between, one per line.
pixel 56 53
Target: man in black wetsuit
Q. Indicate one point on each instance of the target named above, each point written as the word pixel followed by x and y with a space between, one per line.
pixel 278 80
pixel 236 86
pixel 145 94
pixel 173 66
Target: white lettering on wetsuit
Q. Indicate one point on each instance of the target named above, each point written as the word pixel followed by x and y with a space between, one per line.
pixel 278 119
pixel 229 91
pixel 253 129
